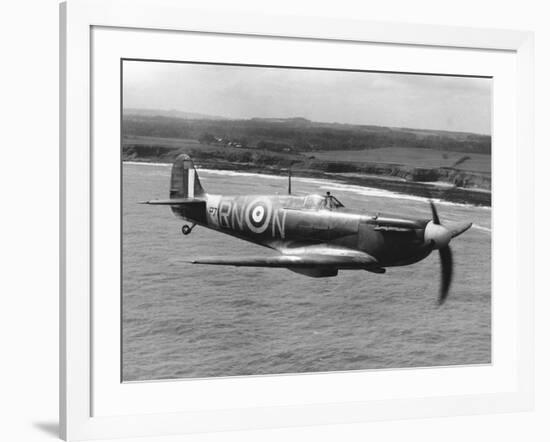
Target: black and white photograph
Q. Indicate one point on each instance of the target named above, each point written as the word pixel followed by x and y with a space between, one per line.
pixel 275 221
pixel 284 220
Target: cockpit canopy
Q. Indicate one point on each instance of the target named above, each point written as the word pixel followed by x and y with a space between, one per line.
pixel 318 202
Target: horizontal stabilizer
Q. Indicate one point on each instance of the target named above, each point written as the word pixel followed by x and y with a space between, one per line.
pixel 174 202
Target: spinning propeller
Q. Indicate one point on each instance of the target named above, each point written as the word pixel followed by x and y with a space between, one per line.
pixel 439 236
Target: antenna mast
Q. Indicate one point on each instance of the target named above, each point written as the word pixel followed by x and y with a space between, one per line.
pixel 289 181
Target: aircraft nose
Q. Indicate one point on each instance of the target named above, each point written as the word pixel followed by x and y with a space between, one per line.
pixel 437 234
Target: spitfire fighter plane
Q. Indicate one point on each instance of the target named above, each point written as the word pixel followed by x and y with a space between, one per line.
pixel 313 235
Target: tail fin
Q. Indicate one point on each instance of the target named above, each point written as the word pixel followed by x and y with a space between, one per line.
pixel 185 182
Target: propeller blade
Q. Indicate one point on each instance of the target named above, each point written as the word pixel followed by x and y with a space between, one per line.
pixel 435 216
pixel 446 257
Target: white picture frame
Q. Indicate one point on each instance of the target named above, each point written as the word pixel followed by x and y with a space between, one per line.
pixel 80 377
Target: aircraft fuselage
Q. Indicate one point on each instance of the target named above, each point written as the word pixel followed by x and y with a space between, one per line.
pixel 284 222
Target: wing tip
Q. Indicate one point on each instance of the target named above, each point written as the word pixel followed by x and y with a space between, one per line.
pixel 208 261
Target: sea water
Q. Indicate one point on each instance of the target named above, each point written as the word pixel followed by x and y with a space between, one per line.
pixel 181 320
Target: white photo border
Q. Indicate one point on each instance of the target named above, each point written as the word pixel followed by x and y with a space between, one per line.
pixel 78 375
pixel 110 397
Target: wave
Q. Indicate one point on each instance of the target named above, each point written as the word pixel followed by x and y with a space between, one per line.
pixel 483 229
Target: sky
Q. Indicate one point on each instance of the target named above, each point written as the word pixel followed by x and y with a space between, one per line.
pixel 385 99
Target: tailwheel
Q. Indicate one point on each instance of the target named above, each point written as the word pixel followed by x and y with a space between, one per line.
pixel 186 229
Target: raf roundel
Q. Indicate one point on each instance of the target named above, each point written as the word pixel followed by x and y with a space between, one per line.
pixel 258 215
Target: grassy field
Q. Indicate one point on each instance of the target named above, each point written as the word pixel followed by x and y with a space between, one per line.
pixel 189 146
pixel 410 156
pixel 176 143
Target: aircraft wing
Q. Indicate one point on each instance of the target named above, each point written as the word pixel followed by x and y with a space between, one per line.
pixel 328 257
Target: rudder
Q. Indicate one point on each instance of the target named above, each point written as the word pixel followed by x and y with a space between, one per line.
pixel 184 182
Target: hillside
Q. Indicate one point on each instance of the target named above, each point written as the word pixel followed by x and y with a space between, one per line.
pixel 295 134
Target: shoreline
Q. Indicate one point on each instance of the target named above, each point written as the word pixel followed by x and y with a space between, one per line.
pixel 476 197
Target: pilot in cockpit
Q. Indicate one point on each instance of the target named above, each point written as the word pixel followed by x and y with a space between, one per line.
pixel 331 202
